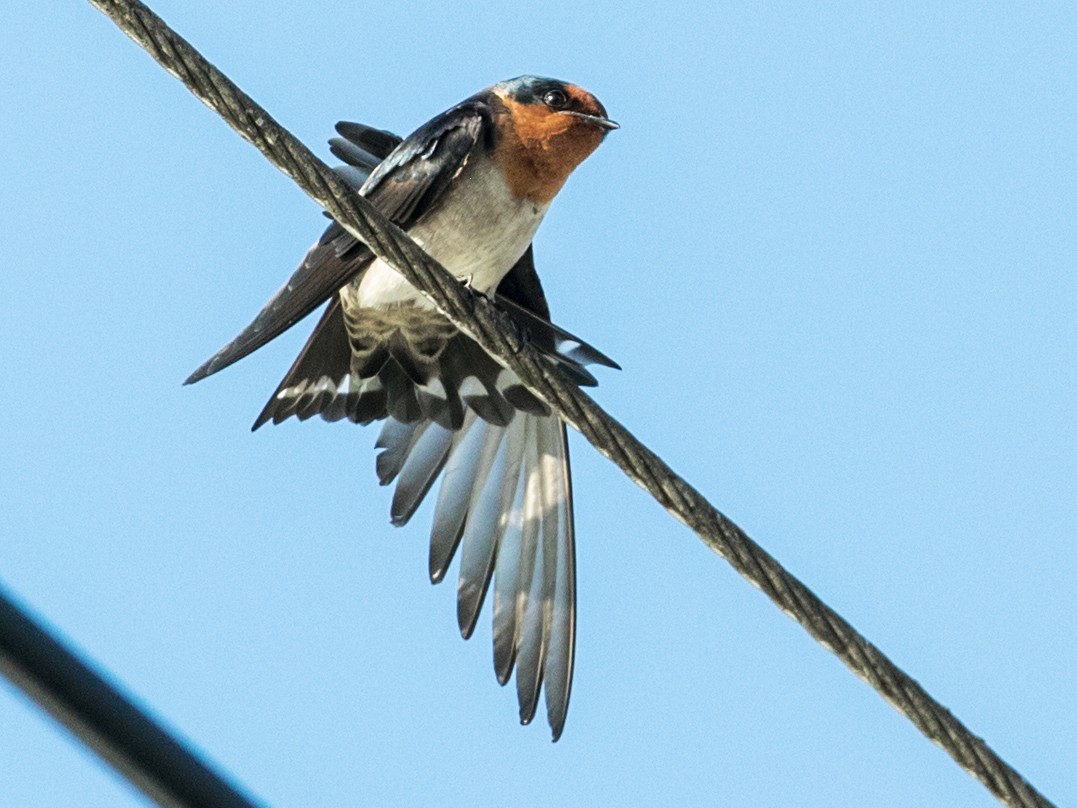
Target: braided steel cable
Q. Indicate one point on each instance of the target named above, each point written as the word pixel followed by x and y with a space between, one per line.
pixel 495 332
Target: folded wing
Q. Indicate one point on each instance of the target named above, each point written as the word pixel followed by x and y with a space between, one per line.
pixel 404 186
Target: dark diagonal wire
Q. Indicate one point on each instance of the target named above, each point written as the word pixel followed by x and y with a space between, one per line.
pixel 105 720
pixel 493 330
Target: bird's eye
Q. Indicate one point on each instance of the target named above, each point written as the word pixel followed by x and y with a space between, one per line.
pixel 555 99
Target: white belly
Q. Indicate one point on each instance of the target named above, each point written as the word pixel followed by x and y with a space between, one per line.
pixel 477 234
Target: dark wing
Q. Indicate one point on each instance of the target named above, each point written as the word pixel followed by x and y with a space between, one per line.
pixel 333 261
pixel 413 177
pixel 404 186
pixel 362 148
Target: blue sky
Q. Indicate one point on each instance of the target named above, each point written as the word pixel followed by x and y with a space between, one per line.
pixel 833 249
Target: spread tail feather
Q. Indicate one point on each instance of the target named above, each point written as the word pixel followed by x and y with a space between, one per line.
pixel 407 362
pixel 506 504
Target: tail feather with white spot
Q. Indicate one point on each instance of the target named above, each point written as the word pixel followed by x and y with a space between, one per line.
pixel 406 362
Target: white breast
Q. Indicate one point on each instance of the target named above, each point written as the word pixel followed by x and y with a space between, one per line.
pixel 478 232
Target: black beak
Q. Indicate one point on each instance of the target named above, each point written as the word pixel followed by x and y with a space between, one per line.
pixel 596 120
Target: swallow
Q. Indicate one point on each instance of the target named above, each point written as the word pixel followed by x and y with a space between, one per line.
pixel 471 187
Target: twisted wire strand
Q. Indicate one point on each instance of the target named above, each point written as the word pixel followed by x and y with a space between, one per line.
pixel 496 333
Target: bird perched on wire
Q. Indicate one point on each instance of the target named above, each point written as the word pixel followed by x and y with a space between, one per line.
pixel 470 187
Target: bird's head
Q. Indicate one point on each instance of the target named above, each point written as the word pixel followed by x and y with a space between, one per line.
pixel 545 128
